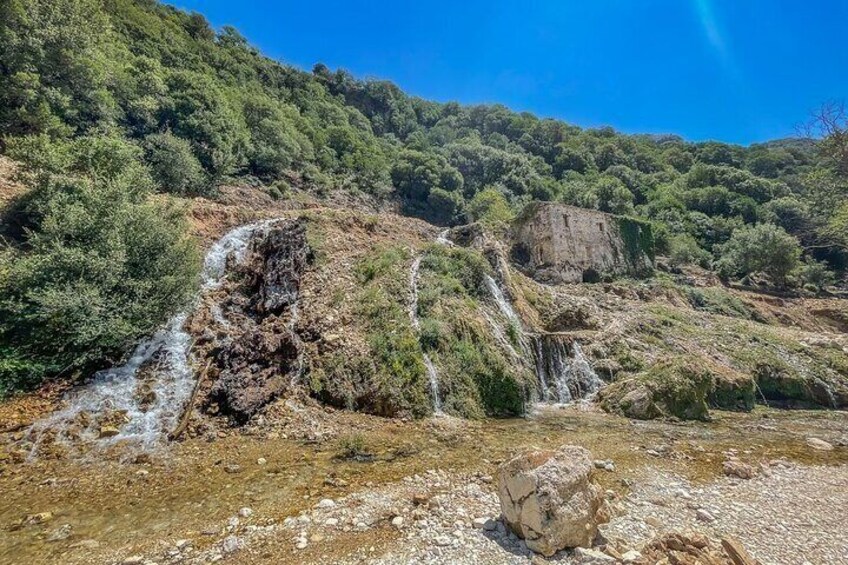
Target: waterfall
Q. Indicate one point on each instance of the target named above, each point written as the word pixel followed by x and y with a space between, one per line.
pixel 562 371
pixel 142 400
pixel 432 373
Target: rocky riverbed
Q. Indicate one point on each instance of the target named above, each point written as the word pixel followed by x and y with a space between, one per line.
pixel 312 485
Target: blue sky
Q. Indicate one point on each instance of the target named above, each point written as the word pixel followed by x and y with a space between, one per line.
pixel 740 71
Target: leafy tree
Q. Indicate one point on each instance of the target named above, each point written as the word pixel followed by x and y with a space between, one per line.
pixel 764 248
pixel 173 165
pixel 490 208
pixel 103 265
pixel 683 249
pixel 613 196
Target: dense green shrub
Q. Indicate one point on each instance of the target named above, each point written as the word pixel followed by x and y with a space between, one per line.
pixel 764 248
pixel 173 165
pixel 103 265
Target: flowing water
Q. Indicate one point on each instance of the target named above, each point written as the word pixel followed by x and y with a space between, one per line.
pixel 432 374
pixel 141 401
pixel 562 371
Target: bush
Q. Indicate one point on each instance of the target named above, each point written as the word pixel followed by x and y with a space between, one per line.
pixel 764 248
pixel 354 447
pixel 102 267
pixel 684 250
pixel 490 208
pixel 815 275
pixel 173 165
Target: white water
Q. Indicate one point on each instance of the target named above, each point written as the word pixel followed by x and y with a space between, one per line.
pixel 432 374
pixel 560 378
pixel 148 403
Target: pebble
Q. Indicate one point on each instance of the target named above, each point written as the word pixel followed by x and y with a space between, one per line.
pixel 326 503
pixel 261 461
pixel 443 541
pixel 632 556
pixel 232 468
pixel 819 444
pixel 332 522
pixel 397 521
pixel 133 560
pixel 231 544
pixel 245 512
pixel 301 544
pixel 480 523
pixel 704 516
pixel 593 556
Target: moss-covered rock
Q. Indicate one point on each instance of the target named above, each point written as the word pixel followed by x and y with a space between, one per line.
pixel 675 386
pixel 781 384
pixel 732 390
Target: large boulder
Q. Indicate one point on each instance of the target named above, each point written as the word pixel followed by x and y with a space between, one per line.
pixel 548 499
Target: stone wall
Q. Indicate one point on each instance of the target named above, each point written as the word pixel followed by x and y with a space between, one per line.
pixel 556 243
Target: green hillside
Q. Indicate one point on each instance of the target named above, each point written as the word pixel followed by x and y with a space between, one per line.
pixel 107 102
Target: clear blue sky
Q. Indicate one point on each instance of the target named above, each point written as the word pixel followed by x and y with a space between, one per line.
pixel 739 71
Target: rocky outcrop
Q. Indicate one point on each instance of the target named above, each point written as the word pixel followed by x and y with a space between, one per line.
pixel 555 243
pixel 548 498
pixel 679 386
pixel 260 353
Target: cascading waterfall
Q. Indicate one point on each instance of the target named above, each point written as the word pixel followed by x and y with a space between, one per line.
pixel 432 374
pixel 562 371
pixel 144 398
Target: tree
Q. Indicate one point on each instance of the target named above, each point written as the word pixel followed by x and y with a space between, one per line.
pixel 613 196
pixel 763 248
pixel 416 173
pixel 173 165
pixel 829 126
pixel 102 266
pixel 490 208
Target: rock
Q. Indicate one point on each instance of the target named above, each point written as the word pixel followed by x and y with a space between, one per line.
pixel 63 532
pixel 653 522
pixel 333 522
pixel 301 544
pixel 261 461
pixel 819 444
pixel 736 552
pixel 182 544
pixel 479 523
pixel 326 503
pixel 397 521
pixel 39 518
pixel 591 557
pixel 605 465
pixel 232 468
pixel 631 556
pixel 245 512
pixel 547 499
pixel 133 560
pixel 108 431
pixel 443 541
pixel 739 469
pixel 231 544
pixel 704 516
pixel 420 499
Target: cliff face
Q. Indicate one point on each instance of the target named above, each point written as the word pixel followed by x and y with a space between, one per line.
pixel 556 243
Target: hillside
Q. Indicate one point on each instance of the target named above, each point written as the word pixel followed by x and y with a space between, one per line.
pixel 251 313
